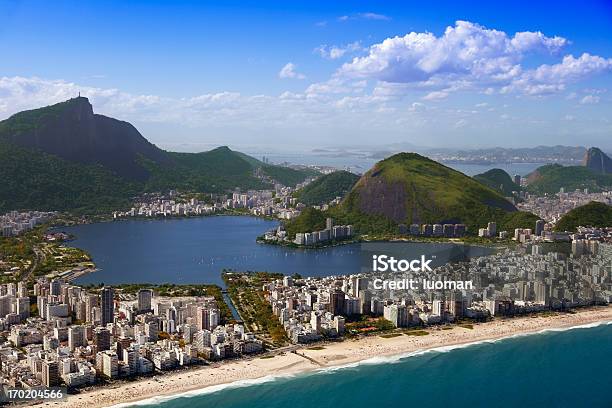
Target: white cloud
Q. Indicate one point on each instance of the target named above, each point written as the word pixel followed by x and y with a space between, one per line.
pixel 461 123
pixel 364 16
pixel 21 93
pixel 416 107
pixel 555 78
pixel 465 50
pixel 528 41
pixel 325 105
pixel 571 68
pixel 335 51
pixel 373 16
pixel 590 100
pixel 289 71
pixel 469 56
pixel 436 95
pixel 334 86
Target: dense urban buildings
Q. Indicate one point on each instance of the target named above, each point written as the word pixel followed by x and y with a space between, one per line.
pixel 15 223
pixel 552 207
pixel 77 336
pixel 277 203
pixel 527 279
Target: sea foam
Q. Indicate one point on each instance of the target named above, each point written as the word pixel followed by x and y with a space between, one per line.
pixel 391 359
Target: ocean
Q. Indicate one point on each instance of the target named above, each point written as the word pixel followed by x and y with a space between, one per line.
pixel 556 368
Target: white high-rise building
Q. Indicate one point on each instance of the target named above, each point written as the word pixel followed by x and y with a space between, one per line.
pixel 144 300
pixel 76 337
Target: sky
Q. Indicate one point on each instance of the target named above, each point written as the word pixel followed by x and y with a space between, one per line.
pixel 296 76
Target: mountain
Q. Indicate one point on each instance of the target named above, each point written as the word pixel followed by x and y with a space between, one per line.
pixel 72 131
pixel 408 188
pixel 549 179
pixel 499 180
pixel 66 157
pixel 327 187
pixel 219 170
pixel 597 161
pixel 593 214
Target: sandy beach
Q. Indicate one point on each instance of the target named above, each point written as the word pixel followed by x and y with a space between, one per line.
pixel 333 354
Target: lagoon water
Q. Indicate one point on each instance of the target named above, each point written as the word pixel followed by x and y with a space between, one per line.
pixel 197 249
pixel 568 368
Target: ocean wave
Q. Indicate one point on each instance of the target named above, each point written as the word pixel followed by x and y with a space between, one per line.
pixel 391 359
pixel 397 358
pixel 203 391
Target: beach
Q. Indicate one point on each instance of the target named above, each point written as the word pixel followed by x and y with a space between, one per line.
pixel 337 354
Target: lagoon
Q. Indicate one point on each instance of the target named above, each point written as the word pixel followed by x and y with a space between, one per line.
pixel 197 249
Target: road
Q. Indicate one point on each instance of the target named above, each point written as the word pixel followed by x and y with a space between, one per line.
pixel 38 255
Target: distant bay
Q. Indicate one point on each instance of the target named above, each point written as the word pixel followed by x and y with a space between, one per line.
pixel 197 249
pixel 361 164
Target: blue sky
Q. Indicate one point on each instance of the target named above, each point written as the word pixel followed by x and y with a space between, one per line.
pixel 191 75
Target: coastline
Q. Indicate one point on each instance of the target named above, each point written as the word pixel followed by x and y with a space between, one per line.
pixel 332 356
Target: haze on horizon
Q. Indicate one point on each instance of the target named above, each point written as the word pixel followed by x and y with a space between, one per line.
pixel 275 76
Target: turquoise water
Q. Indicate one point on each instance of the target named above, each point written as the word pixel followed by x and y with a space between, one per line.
pixel 196 250
pixel 570 368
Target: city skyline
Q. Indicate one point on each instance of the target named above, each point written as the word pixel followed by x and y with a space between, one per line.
pixel 289 77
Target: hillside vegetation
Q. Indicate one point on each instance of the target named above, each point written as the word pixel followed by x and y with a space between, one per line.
pixel 46 182
pixel 327 187
pixel 549 179
pixel 498 180
pixel 593 214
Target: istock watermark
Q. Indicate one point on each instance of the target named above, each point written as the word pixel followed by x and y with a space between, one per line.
pixel 413 266
pixel 425 284
pixel 385 263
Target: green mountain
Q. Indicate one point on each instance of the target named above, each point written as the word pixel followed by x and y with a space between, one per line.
pixel 551 178
pixel 217 171
pixel 287 176
pixel 66 157
pixel 327 187
pixel 408 188
pixel 593 214
pixel 499 180
pixel 597 161
pixel 72 131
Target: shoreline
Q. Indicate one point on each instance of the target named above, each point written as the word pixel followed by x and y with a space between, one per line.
pixel 495 244
pixel 332 356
